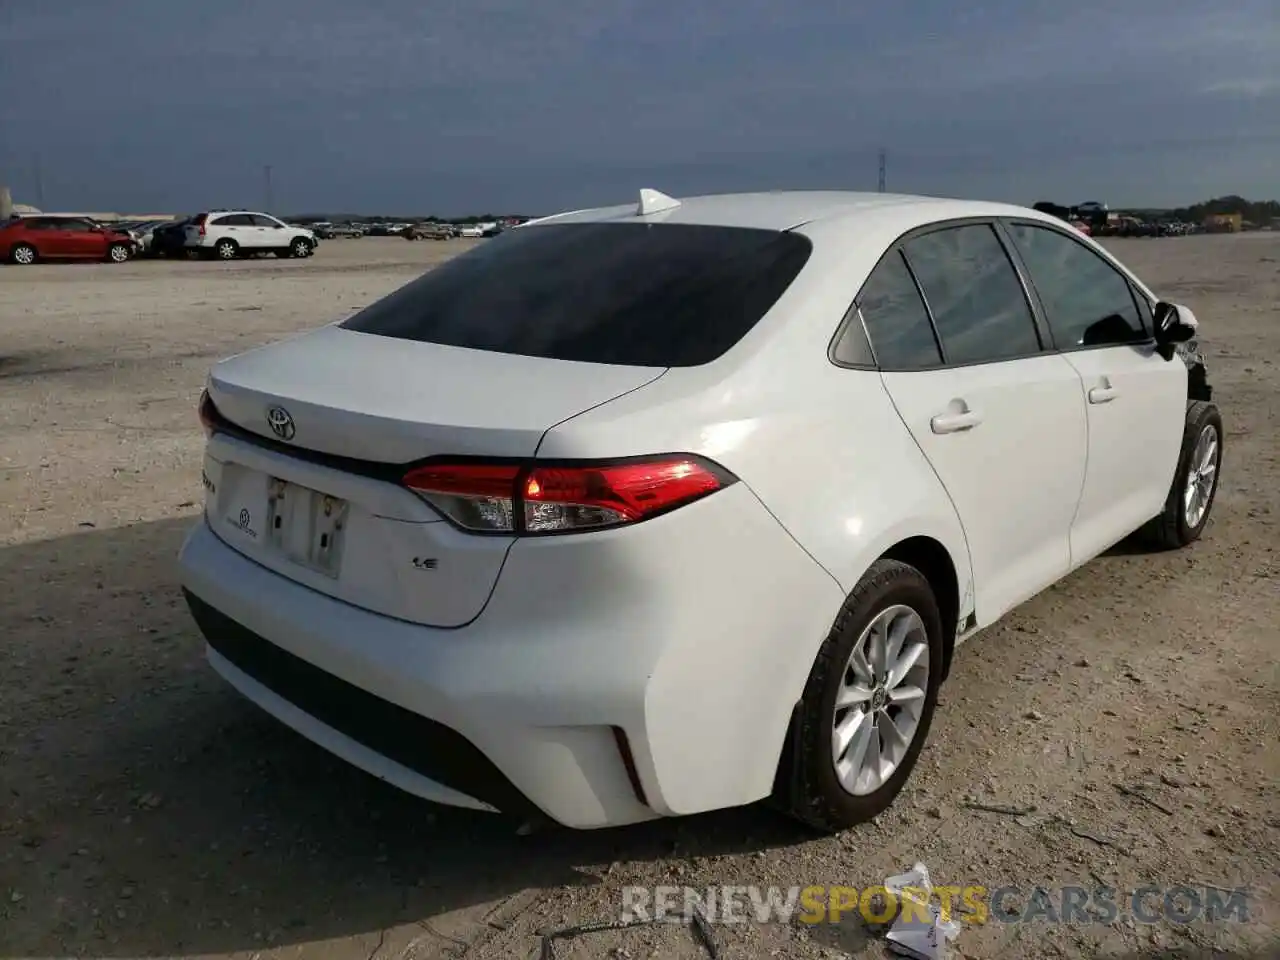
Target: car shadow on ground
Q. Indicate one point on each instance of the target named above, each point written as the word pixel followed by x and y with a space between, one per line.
pixel 149 810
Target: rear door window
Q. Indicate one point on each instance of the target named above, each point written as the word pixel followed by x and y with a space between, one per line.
pixel 658 295
pixel 974 294
pixel 896 319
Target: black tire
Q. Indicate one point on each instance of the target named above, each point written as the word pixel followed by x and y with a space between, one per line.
pixel 1171 529
pixel 118 253
pixel 808 787
pixel 300 247
pixel 226 249
pixel 23 254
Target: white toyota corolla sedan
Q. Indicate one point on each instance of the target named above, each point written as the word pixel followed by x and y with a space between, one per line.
pixel 673 506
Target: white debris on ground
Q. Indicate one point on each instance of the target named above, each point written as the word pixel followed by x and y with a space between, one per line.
pixel 920 929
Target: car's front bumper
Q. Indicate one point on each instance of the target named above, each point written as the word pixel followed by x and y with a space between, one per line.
pixel 522 709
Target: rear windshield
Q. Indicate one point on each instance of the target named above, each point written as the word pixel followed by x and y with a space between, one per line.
pixel 650 295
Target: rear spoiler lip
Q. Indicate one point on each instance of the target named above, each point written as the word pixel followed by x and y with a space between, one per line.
pixel 220 423
pixel 394 472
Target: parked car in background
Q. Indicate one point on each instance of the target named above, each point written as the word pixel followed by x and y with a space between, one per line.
pixel 480 230
pixel 143 232
pixel 1139 228
pixel 426 231
pixel 1053 209
pixel 170 239
pixel 343 231
pixel 650 510
pixel 26 240
pixel 226 235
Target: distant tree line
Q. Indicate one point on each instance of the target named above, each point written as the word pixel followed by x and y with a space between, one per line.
pixel 399 218
pixel 1251 211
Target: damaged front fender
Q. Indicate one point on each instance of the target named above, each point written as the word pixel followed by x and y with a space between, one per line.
pixel 1198 387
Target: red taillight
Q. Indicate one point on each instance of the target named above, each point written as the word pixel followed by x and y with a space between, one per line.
pixel 201 222
pixel 479 497
pixel 208 413
pixel 563 498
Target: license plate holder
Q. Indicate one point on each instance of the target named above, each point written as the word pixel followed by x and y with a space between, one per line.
pixel 306 526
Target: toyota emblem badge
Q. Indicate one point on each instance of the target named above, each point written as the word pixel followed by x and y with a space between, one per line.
pixel 281 423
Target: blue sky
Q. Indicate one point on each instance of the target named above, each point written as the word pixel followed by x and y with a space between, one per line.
pixel 458 106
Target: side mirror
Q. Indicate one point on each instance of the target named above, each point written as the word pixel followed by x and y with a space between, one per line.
pixel 1174 324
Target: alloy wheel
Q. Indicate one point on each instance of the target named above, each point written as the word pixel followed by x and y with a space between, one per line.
pixel 881 700
pixel 1202 474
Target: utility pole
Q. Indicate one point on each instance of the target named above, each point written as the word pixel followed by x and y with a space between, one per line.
pixel 883 159
pixel 266 174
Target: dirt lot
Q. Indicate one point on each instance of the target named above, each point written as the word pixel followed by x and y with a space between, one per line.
pixel 147 810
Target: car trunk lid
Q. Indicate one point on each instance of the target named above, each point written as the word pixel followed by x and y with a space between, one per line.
pixel 319 430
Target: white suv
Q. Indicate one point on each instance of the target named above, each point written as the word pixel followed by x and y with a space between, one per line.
pixel 227 234
pixel 650 510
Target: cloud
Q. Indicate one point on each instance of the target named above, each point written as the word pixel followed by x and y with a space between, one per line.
pixel 1245 87
pixel 451 105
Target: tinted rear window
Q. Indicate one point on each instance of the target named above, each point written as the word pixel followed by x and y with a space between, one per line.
pixel 652 295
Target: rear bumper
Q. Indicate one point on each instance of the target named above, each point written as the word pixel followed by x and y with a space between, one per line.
pixel 696 652
pixel 421 755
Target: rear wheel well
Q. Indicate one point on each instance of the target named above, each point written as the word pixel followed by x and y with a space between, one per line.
pixel 932 559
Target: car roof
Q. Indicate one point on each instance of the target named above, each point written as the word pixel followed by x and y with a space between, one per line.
pixel 787 210
pixel 23 217
pixel 230 213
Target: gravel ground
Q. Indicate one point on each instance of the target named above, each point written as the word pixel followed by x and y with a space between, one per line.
pixel 148 811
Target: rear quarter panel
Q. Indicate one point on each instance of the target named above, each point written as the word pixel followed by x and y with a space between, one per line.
pixel 822 447
pixel 830 459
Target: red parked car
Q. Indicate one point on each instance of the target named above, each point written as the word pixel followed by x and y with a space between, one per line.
pixel 25 240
